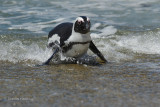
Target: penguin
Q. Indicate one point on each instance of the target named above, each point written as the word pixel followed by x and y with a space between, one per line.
pixel 72 40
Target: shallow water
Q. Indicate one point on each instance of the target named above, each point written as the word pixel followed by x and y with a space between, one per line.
pixel 127 33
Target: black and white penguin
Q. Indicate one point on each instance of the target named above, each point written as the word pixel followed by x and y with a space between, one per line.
pixel 72 39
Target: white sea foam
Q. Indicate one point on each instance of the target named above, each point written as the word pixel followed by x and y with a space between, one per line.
pixel 108 30
pixel 146 43
pixel 113 47
pixel 95 26
pixel 125 47
pixel 16 51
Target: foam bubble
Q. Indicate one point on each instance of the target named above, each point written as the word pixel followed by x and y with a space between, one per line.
pixel 114 47
pixel 146 43
pixel 108 30
pixel 16 51
pixel 127 46
pixel 111 51
pixel 95 26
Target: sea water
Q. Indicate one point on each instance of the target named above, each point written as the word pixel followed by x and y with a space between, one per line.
pixel 126 32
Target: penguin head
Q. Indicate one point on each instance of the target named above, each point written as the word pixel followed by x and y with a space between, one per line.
pixel 82 25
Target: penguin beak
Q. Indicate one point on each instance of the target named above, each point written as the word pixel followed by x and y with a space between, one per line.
pixel 87 26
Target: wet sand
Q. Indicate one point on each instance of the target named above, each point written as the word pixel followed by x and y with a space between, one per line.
pixel 70 85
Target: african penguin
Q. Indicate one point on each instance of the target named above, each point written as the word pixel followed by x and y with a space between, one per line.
pixel 72 39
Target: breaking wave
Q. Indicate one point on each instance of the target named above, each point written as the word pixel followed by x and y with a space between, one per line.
pixel 114 46
pixel 16 51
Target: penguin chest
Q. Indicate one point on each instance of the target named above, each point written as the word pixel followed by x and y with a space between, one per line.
pixel 77 50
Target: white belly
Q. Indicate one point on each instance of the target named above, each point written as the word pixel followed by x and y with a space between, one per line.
pixel 77 50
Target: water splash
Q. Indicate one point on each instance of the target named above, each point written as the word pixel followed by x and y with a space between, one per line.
pixel 114 47
pixel 16 51
pixel 147 43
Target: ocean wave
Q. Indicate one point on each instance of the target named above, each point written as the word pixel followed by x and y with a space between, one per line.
pixel 114 47
pixel 146 43
pixel 16 51
pixel 127 45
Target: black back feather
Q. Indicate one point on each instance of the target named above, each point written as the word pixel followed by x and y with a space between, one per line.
pixel 63 30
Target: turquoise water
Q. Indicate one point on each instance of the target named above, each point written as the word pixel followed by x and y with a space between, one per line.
pixel 127 33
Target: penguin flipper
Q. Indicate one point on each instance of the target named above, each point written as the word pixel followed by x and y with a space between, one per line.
pixel 94 49
pixel 47 62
